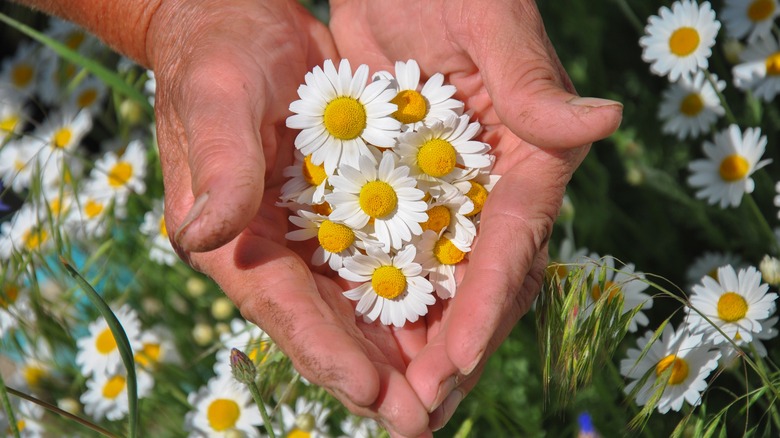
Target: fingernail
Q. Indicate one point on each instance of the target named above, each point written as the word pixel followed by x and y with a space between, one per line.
pixel 192 215
pixel 448 408
pixel 445 389
pixel 469 369
pixel 593 102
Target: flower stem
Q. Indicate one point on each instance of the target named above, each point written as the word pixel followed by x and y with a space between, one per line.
pixel 762 371
pixel 631 16
pixel 255 391
pixel 765 228
pixel 729 115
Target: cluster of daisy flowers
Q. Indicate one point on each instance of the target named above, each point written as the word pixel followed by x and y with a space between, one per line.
pixel 390 179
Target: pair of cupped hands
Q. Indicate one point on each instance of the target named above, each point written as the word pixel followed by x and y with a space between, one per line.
pixel 226 74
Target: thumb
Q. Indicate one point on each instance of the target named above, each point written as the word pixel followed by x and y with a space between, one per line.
pixel 530 90
pixel 225 154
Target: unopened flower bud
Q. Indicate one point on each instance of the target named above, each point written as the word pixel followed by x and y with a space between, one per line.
pixel 222 308
pixel 195 287
pixel 242 367
pixel 203 334
pixel 770 270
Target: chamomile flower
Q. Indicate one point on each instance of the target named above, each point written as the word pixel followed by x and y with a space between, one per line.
pixel 438 255
pixel 677 362
pixel 247 337
pixel 679 41
pixel 339 115
pixel 749 18
pixel 88 94
pixel 72 35
pixel 307 182
pixel 387 195
pixel 13 115
pixel 63 131
pixel 568 258
pixel 120 175
pixel 222 408
pixel 735 303
pixel 724 176
pixel 691 106
pixel 393 289
pixel 15 306
pixel 24 233
pixel 29 419
pixel 448 213
pixel 17 163
pixel 106 394
pixel 768 331
pixel 445 151
pixel 476 187
pixel 156 347
pixel 421 107
pixel 308 419
pixel 708 264
pixel 91 216
pixel 759 71
pixel 153 227
pixel 337 241
pixel 19 73
pixel 624 281
pixel 98 352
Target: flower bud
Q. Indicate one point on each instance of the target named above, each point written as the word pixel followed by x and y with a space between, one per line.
pixel 242 367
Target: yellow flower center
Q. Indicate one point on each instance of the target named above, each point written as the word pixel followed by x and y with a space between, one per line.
pixel 93 208
pixel 74 40
pixel 446 252
pixel 22 74
pixel 388 282
pixel 149 355
pixel 298 433
pixel 610 287
pixel 378 199
pixel 105 342
pixel 33 375
pixel 692 105
pixel 760 10
pixel 733 168
pixel 114 387
pixel 314 174
pixel 684 41
pixel 87 98
pixel 120 174
pixel 33 239
pixel 436 157
pixel 345 118
pixel 773 64
pixel 62 137
pixel 9 296
pixel 554 270
pixel 438 218
pixel 223 414
pixel 412 106
pixel 163 228
pixel 323 209
pixel 732 307
pixel 478 195
pixel 9 123
pixel 335 237
pixel 679 369
pixel 21 424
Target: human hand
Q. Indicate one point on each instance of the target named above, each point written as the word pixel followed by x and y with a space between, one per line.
pixel 498 56
pixel 226 73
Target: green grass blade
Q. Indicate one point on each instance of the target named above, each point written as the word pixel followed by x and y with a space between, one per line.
pixel 9 412
pixel 122 343
pixel 111 79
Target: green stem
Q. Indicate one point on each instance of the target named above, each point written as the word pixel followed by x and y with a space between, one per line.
pixel 7 407
pixel 631 16
pixel 729 115
pixel 764 373
pixel 763 224
pixel 261 407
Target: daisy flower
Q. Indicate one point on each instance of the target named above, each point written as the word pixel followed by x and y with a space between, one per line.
pixel 420 107
pixel 339 115
pixel 307 182
pixel 18 163
pixel 307 420
pixel 445 151
pixel 679 41
pixel 106 394
pixel 392 290
pixel 677 361
pixel 759 71
pixel 567 259
pixel 751 18
pixel 15 306
pixel 768 331
pixel 20 71
pixel 98 352
pixel 90 218
pixel 735 304
pixel 29 419
pixel 337 241
pixel 118 175
pixel 386 195
pixel 13 115
pixel 24 233
pixel 153 227
pixel 222 408
pixel 63 131
pixel 708 264
pixel 156 347
pixel 88 94
pixel 73 36
pixel 477 188
pixel 448 213
pixel 724 176
pixel 247 337
pixel 691 106
pixel 438 255
pixel 623 281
